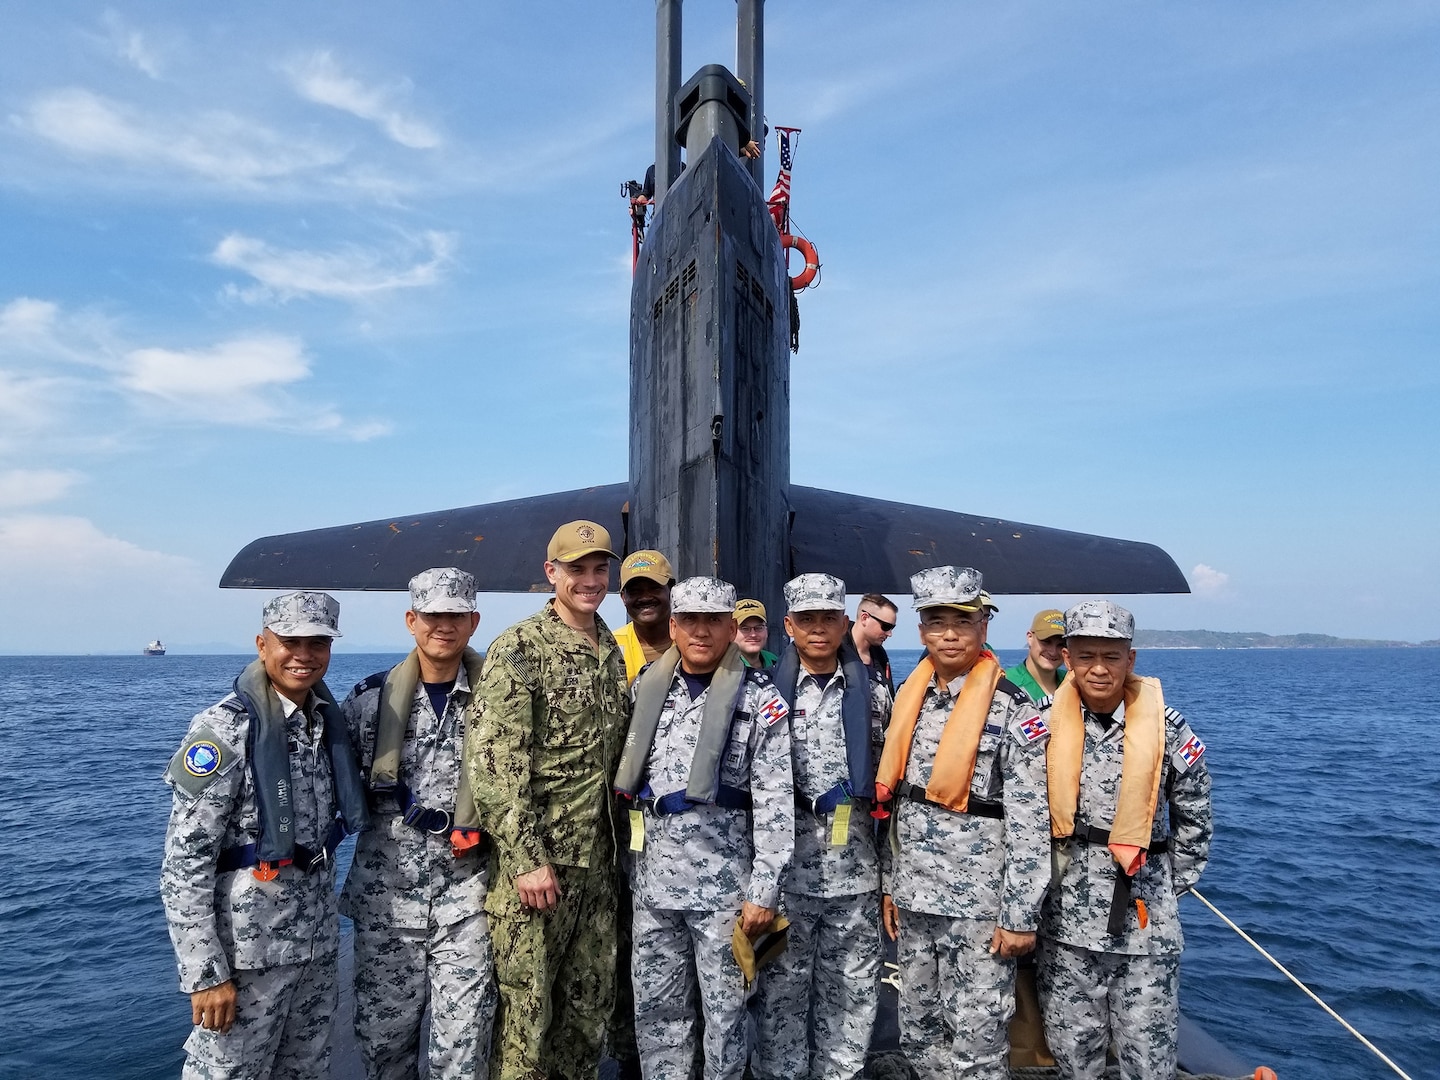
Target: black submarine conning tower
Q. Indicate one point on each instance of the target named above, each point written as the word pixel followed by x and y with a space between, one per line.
pixel 710 332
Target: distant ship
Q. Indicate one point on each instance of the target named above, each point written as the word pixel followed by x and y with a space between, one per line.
pixel 155 648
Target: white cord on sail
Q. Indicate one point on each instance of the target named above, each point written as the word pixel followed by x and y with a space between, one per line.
pixel 1313 996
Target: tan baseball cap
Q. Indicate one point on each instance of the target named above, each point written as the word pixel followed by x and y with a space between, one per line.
pixel 1049 623
pixel 749 609
pixel 576 539
pixel 646 564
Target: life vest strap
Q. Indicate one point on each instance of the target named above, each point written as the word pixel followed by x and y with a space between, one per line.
pixel 425 818
pixel 304 858
pixel 1121 897
pixel 978 807
pixel 1089 834
pixel 824 804
pixel 726 797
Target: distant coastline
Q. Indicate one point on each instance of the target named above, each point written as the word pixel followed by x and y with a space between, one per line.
pixel 1220 639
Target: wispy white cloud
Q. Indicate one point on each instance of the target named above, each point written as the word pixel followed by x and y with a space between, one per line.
pixel 1207 581
pixel 215 145
pixel 247 380
pixel 28 487
pixel 30 542
pixel 320 79
pixel 348 273
pixel 241 382
pixel 131 46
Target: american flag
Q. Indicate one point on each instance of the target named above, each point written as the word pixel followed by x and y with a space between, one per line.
pixel 780 193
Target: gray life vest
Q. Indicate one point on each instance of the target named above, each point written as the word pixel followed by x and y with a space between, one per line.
pixel 652 687
pixel 267 749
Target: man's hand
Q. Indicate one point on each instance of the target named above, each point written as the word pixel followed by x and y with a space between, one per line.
pixel 754 919
pixel 214 1007
pixel 890 916
pixel 539 889
pixel 1011 943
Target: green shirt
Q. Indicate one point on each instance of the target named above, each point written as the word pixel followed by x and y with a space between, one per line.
pixel 1021 677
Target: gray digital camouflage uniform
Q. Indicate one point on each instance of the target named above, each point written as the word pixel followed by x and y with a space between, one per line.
pixel 817 1001
pixel 955 877
pixel 1095 987
pixel 277 940
pixel 421 933
pixel 694 871
pixel 544 738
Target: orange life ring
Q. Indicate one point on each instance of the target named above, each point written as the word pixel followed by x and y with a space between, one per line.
pixel 812 260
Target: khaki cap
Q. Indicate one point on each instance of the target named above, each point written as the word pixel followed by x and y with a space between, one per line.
pixel 987 603
pixel 749 609
pixel 646 564
pixel 576 539
pixel 1049 623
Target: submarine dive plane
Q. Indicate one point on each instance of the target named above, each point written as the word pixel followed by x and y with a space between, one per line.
pixel 709 477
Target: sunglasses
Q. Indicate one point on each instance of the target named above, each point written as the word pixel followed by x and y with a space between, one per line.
pixel 886 626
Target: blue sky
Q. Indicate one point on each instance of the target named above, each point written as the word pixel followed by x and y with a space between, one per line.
pixel 266 268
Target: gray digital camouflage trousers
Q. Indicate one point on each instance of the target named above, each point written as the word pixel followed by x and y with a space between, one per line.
pixel 956 999
pixel 1090 998
pixel 817 1000
pixel 398 972
pixel 673 950
pixel 281 1029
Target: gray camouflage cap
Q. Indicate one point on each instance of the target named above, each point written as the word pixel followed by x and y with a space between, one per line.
pixel 948 586
pixel 1099 618
pixel 815 592
pixel 442 589
pixel 696 595
pixel 303 614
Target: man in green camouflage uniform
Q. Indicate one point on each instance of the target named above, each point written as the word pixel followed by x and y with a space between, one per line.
pixel 963 888
pixel 250 897
pixel 416 890
pixel 549 719
pixel 1097 986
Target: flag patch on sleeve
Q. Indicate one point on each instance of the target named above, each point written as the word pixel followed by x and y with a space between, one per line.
pixel 1034 728
pixel 774 711
pixel 1192 750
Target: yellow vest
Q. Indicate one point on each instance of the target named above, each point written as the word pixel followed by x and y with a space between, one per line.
pixel 631 650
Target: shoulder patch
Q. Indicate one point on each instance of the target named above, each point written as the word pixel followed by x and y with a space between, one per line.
pixel 773 711
pixel 1008 688
pixel 1031 729
pixel 520 665
pixel 1190 751
pixel 202 758
pixel 370 682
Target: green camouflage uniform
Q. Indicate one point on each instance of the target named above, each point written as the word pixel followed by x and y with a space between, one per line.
pixel 548 722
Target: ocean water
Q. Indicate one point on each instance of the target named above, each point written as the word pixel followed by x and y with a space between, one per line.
pixel 1327 849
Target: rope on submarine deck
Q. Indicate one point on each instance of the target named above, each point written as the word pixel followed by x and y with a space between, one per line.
pixel 1313 996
